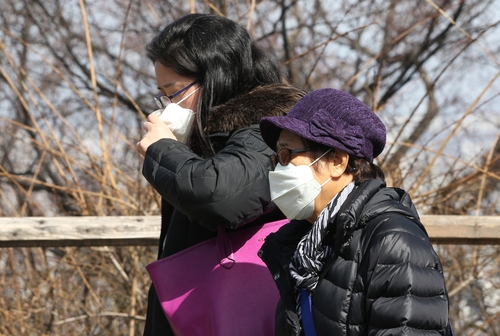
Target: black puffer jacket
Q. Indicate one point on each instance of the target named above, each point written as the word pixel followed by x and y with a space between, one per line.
pixel 384 277
pixel 202 192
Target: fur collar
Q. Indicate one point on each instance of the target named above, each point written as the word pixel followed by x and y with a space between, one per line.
pixel 247 109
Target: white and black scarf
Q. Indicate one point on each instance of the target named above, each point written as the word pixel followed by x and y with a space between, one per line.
pixel 310 255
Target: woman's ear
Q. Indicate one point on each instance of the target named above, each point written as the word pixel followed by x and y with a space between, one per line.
pixel 338 164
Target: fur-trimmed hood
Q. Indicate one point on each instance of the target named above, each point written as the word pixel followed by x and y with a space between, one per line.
pixel 247 109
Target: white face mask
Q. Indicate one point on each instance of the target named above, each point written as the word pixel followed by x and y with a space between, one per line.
pixel 294 189
pixel 180 120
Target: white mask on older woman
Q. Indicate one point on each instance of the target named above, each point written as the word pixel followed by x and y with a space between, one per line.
pixel 294 189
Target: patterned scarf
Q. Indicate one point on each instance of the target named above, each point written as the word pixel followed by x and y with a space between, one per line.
pixel 310 255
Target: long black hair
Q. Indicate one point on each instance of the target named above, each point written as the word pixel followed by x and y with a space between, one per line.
pixel 218 53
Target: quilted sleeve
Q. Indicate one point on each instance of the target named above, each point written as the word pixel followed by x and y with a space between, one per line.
pixel 228 189
pixel 406 293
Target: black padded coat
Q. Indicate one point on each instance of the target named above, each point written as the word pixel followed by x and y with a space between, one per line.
pixel 202 192
pixel 384 277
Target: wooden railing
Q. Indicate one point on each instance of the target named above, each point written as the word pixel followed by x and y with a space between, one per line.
pixel 144 230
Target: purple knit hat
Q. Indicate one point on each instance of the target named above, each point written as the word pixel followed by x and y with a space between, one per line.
pixel 333 118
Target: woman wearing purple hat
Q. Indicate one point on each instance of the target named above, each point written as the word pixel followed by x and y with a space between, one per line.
pixel 355 259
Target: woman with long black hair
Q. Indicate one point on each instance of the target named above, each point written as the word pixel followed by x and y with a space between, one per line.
pixel 204 153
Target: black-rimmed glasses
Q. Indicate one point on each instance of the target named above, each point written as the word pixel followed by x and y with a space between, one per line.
pixel 163 100
pixel 284 155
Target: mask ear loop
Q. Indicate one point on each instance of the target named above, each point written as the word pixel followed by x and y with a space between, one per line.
pixel 329 179
pixel 189 95
pixel 320 157
pixel 317 161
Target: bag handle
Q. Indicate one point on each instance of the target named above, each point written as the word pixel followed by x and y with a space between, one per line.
pixel 225 249
pixel 306 310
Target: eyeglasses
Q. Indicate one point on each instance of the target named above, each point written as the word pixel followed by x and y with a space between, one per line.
pixel 163 100
pixel 284 155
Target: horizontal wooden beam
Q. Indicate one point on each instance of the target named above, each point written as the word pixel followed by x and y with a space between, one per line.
pixel 79 231
pixel 482 230
pixel 145 230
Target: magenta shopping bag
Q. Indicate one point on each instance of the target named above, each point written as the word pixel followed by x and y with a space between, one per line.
pixel 220 286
